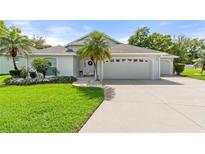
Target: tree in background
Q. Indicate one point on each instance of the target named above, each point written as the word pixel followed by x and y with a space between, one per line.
pixel 39 43
pixel 156 41
pixel 186 48
pixel 96 49
pixel 140 37
pixel 13 43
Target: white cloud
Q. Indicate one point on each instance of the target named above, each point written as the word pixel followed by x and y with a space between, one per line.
pixel 87 28
pixel 60 30
pixel 123 39
pixel 164 23
pixel 26 27
pixel 55 41
pixel 61 35
pixel 200 35
pixel 54 35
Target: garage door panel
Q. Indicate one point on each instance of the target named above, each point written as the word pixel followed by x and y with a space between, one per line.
pixel 127 70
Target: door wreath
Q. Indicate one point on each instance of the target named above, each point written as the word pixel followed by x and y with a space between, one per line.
pixel 90 63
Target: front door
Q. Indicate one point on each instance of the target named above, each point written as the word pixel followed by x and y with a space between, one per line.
pixel 88 68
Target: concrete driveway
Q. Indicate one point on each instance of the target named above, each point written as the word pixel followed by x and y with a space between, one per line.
pixel 173 104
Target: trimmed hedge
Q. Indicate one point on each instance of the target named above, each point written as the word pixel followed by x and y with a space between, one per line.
pixel 179 68
pixel 15 73
pixel 21 81
pixel 33 75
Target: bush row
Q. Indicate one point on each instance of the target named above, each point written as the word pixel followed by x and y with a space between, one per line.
pixel 179 68
pixel 21 81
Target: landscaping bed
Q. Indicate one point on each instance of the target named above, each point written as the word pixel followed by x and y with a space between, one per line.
pixel 30 81
pixel 46 108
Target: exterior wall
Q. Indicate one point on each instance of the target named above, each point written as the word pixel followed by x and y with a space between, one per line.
pixel 6 63
pixel 166 65
pixel 76 66
pixel 64 64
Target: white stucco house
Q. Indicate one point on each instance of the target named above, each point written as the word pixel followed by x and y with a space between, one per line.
pixel 128 62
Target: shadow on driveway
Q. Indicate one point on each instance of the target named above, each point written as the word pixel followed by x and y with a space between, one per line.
pixel 140 82
pixel 109 93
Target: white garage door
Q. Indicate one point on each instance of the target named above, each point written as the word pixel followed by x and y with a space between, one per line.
pixel 164 67
pixel 127 68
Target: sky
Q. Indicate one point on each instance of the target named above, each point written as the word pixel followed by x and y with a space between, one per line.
pixel 61 32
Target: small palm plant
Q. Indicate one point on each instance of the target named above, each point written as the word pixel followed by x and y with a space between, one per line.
pixel 13 43
pixel 96 49
pixel 200 61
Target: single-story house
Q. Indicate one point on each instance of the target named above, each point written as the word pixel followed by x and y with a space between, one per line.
pixel 128 61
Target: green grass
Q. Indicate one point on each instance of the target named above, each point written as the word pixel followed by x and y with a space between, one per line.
pixel 193 73
pixel 2 77
pixel 46 108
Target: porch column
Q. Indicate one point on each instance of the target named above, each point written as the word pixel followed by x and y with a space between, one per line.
pixel 171 66
pixel 159 68
pixel 153 63
pixel 102 70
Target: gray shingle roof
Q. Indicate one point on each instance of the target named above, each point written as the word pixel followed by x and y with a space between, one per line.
pixel 55 49
pixel 125 48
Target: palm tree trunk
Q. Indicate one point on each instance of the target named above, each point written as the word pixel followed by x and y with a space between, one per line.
pixel 96 71
pixel 14 63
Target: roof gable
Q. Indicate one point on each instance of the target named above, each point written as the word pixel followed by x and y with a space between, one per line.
pixel 80 41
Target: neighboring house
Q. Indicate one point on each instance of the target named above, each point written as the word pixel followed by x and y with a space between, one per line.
pixel 128 62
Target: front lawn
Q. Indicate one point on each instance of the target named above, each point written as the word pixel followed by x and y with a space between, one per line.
pixel 46 108
pixel 193 73
pixel 2 77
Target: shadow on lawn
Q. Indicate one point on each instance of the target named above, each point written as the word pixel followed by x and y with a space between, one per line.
pixel 91 92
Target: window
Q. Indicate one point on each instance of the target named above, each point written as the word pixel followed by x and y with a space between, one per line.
pixel 112 60
pixel 52 61
pixel 129 60
pixel 53 65
pixel 123 60
pixel 117 60
pixel 141 60
pixel 135 60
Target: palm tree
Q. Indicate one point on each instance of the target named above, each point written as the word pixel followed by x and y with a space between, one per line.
pixel 96 49
pixel 200 61
pixel 3 29
pixel 13 43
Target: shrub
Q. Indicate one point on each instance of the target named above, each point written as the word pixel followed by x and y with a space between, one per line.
pixel 20 81
pixel 23 72
pixel 41 65
pixel 179 68
pixel 15 73
pixel 33 75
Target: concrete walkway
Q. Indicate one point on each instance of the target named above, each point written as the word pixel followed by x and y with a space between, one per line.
pixel 173 104
pixel 87 82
